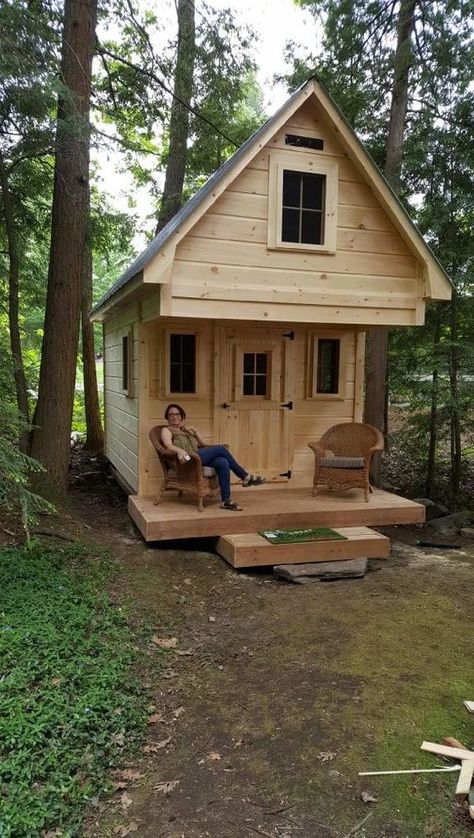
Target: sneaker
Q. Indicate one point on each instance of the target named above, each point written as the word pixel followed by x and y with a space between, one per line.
pixel 253 480
pixel 232 505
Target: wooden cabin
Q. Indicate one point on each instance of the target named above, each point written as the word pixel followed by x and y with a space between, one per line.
pixel 250 309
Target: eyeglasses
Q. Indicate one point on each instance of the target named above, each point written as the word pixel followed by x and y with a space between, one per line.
pixel 174 414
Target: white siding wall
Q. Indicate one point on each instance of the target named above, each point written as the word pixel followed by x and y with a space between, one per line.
pixel 121 411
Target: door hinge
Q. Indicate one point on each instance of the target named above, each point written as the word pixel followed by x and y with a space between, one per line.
pixel 289 405
pixel 290 335
pixel 285 474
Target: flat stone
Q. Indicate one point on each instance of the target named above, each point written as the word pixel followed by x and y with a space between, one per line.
pixel 433 510
pixel 467 532
pixel 450 522
pixel 321 571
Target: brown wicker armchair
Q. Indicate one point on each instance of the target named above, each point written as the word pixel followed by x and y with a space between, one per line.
pixel 190 477
pixel 343 456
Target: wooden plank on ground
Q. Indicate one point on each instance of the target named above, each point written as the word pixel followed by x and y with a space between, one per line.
pixel 253 550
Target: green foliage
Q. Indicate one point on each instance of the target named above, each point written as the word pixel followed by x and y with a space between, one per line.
pixel 15 470
pixel 356 63
pixel 69 699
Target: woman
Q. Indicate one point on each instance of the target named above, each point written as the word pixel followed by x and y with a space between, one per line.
pixel 185 441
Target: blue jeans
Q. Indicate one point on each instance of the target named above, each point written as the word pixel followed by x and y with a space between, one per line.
pixel 220 459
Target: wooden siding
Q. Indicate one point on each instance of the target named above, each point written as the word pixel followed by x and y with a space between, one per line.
pixel 199 407
pixel 309 418
pixel 121 411
pixel 223 268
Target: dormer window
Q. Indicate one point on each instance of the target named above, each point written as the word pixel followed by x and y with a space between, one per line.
pixel 302 203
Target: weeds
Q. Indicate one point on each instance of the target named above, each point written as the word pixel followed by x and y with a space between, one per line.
pixel 69 702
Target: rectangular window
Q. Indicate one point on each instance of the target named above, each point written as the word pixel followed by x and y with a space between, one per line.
pixel 255 374
pixel 303 207
pixel 302 201
pixel 327 372
pixel 127 364
pixel 182 369
pixel 327 364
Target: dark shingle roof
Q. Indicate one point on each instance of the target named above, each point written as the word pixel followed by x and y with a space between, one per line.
pixel 160 240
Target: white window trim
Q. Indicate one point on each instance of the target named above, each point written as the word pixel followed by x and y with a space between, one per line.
pixel 314 337
pixel 305 163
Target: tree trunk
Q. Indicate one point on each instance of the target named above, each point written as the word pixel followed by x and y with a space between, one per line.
pixel 377 341
pixel 51 439
pixel 94 432
pixel 179 122
pixel 433 440
pixel 13 302
pixel 454 401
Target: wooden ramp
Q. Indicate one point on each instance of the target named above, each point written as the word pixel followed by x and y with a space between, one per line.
pixel 253 550
pixel 269 509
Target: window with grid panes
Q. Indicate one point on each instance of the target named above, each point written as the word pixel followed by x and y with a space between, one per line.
pixel 303 207
pixel 255 374
pixel 182 363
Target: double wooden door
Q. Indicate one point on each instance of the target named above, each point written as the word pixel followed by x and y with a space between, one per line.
pixel 254 397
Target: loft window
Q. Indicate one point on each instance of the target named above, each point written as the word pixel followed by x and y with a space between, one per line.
pixel 182 363
pixel 127 375
pixel 302 201
pixel 255 374
pixel 303 207
pixel 304 142
pixel 327 365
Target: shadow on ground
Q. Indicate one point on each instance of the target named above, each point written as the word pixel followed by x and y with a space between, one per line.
pixel 276 696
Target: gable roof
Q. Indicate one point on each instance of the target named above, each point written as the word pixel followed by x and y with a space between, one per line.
pixel 438 280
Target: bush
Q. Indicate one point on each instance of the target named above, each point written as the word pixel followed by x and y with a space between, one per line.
pixel 15 469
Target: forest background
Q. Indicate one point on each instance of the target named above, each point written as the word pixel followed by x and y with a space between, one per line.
pixel 107 78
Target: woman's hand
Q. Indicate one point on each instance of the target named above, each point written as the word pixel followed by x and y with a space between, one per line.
pixel 183 455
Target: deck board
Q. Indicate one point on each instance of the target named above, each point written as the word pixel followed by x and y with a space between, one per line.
pixel 263 509
pixel 253 550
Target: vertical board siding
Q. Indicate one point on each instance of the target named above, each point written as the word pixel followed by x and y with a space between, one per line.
pixel 121 411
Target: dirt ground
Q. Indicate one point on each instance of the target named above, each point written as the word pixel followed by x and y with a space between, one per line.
pixel 277 695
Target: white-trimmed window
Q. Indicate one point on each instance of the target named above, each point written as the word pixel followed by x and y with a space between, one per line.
pixel 327 366
pixel 302 203
pixel 127 364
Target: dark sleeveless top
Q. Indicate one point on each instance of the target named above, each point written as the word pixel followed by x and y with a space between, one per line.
pixel 184 439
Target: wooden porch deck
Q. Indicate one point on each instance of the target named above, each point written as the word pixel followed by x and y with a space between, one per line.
pixel 268 508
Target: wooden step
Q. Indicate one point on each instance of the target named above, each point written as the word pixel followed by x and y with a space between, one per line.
pixel 253 550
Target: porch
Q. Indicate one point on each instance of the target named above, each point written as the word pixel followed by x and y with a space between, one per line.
pixel 270 508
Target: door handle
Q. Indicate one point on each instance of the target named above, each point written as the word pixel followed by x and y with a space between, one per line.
pixel 225 406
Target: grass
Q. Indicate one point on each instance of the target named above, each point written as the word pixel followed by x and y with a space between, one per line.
pixel 69 701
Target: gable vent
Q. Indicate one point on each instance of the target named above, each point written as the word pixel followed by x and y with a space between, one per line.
pixel 304 142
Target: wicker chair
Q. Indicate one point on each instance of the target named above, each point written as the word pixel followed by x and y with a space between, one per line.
pixel 343 456
pixel 190 477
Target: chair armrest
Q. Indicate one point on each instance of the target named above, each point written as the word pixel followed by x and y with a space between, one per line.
pixel 316 447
